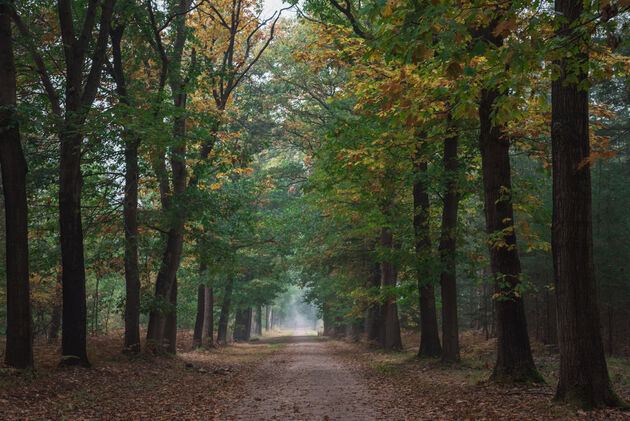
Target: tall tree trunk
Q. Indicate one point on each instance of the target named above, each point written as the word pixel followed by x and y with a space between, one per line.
pixel 242 325
pixel 583 372
pixel 267 317
pixel 165 282
pixel 447 250
pixel 73 327
pixel 259 320
pixel 130 205
pixel 391 335
pixel 374 319
pixel 248 326
pixel 197 333
pixel 170 327
pixel 132 273
pixel 79 97
pixel 95 308
pixel 55 317
pixel 514 357
pixel 429 336
pixel 171 258
pixel 19 334
pixel 208 318
pixel 225 313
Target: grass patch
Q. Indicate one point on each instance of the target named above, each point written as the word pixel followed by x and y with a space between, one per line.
pixel 619 371
pixel 388 368
pixel 277 347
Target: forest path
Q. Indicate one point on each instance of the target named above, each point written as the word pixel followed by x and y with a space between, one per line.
pixel 304 381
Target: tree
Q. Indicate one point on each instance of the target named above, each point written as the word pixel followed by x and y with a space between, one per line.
pixel 514 356
pixel 19 346
pixel 80 51
pixel 130 201
pixel 447 251
pixel 429 339
pixel 583 372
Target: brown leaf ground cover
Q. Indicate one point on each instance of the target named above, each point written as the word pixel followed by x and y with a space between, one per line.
pixel 261 378
pixel 429 390
pixel 189 386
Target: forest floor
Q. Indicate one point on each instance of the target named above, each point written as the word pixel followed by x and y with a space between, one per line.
pixel 298 377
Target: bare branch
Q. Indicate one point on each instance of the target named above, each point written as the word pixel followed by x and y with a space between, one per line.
pixel 347 12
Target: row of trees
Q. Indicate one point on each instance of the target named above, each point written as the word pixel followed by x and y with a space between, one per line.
pixel 138 94
pixel 371 153
pixel 403 106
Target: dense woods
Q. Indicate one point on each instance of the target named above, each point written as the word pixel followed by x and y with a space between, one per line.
pixel 389 167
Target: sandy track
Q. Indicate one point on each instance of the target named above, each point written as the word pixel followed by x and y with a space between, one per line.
pixel 304 381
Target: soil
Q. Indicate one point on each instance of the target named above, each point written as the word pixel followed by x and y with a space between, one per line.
pixel 306 381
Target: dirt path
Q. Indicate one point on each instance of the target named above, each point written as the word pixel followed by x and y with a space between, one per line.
pixel 304 381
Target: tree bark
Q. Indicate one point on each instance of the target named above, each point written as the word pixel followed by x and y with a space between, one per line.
pixel 165 282
pixel 19 333
pixel 514 357
pixel 242 325
pixel 55 317
pixel 391 336
pixel 259 320
pixel 248 325
pixel 73 327
pixel 170 327
pixel 197 333
pixel 583 372
pixel 171 258
pixel 267 317
pixel 429 336
pixel 130 205
pixel 447 251
pixel 208 318
pixel 374 317
pixel 95 307
pixel 79 97
pixel 225 313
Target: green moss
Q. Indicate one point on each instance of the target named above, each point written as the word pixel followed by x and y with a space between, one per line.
pixel 523 375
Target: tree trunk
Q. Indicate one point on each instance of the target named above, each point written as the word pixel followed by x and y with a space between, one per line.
pixel 95 307
pixel 447 250
pixel 259 321
pixel 19 333
pixel 551 326
pixel 79 96
pixel 55 317
pixel 73 327
pixel 165 282
pixel 170 327
pixel 610 330
pixel 583 372
pixel 130 206
pixel 171 258
pixel 208 318
pixel 225 314
pixel 242 325
pixel 429 336
pixel 514 357
pixel 248 325
pixel 267 317
pixel 132 274
pixel 200 316
pixel 391 336
pixel 374 317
